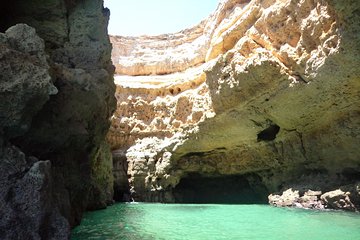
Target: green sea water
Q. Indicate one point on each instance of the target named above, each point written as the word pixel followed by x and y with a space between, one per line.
pixel 215 221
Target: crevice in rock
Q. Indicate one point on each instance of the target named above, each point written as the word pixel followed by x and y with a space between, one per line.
pixel 303 150
pixel 121 184
pixel 194 154
pixel 299 78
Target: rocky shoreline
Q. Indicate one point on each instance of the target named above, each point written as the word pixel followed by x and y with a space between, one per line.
pixel 345 198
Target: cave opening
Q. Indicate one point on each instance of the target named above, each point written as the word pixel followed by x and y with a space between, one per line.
pixel 269 133
pixel 234 189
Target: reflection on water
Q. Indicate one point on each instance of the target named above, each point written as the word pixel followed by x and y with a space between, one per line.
pixel 215 221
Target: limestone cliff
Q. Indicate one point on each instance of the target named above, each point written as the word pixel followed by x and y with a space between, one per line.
pixel 276 95
pixel 158 55
pixel 57 94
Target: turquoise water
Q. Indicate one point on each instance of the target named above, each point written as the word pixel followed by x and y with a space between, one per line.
pixel 215 221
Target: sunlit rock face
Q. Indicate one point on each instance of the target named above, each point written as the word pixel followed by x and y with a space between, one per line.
pixel 170 53
pixel 158 106
pixel 57 95
pixel 162 54
pixel 280 80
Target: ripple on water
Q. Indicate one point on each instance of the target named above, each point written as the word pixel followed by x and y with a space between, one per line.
pixel 215 221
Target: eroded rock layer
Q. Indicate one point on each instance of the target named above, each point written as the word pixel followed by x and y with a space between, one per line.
pixel 158 106
pixel 169 53
pixel 56 97
pixel 280 80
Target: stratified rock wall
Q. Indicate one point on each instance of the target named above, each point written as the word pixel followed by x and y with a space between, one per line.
pixel 158 106
pixel 57 94
pixel 282 83
pixel 161 54
pixel 170 53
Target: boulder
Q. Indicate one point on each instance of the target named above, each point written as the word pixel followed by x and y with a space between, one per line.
pixel 288 198
pixel 338 199
pixel 26 192
pixel 25 82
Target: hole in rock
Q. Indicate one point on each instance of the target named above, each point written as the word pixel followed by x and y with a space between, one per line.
pixel 269 133
pixel 221 189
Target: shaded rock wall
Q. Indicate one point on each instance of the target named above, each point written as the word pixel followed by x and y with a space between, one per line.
pixel 25 80
pixel 283 86
pixel 57 94
pixel 26 184
pixel 102 180
pixel 121 184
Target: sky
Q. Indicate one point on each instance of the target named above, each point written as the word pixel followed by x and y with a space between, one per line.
pixel 153 17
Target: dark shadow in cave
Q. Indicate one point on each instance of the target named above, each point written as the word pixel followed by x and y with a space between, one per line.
pixel 223 189
pixel 121 184
pixel 8 12
pixel 268 134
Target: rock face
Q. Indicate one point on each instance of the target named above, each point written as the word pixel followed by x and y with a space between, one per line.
pixel 25 183
pixel 291 198
pixel 121 185
pixel 56 96
pixel 158 106
pixel 170 53
pixel 25 80
pixel 346 198
pixel 26 194
pixel 277 101
pixel 338 199
pixel 162 54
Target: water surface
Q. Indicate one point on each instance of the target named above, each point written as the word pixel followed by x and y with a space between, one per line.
pixel 146 221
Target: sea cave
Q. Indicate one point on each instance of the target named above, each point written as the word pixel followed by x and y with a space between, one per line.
pixel 245 118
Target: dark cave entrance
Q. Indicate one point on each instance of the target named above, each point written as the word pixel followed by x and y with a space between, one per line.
pixel 221 189
pixel 269 133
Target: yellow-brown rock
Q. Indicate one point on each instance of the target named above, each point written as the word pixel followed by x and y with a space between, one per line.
pixel 161 54
pixel 170 53
pixel 158 106
pixel 281 88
